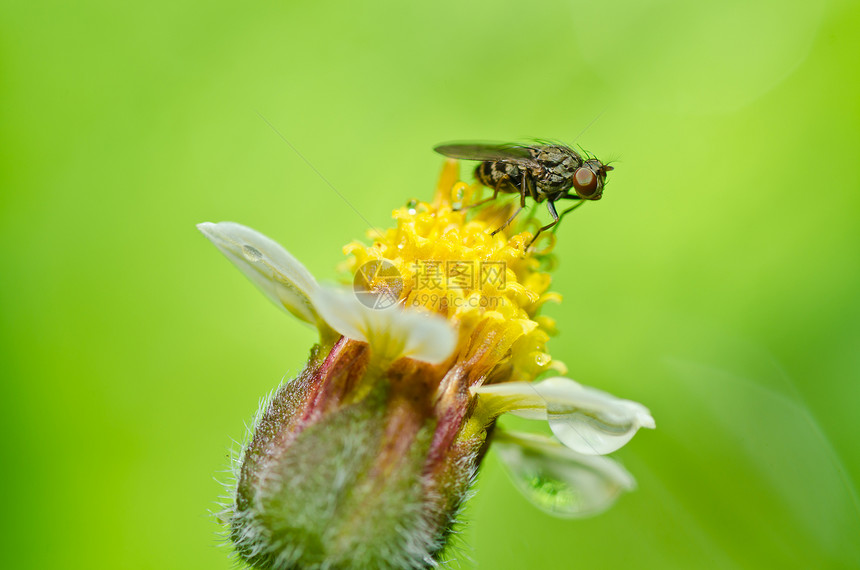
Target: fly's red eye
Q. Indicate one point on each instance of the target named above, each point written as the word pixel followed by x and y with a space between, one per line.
pixel 585 182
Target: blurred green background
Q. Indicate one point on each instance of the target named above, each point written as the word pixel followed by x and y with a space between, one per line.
pixel 716 282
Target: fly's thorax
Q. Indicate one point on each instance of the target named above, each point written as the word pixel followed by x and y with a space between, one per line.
pixel 555 167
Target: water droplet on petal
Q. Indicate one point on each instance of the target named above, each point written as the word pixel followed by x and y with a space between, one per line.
pixel 589 420
pixel 251 253
pixel 589 432
pixel 542 358
pixel 560 481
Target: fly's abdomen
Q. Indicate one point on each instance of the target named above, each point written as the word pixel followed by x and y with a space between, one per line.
pixel 505 176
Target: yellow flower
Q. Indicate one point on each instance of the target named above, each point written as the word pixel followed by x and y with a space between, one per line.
pixel 365 459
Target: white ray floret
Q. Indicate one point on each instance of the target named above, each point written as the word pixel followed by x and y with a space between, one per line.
pixel 585 419
pixel 392 333
pixel 279 275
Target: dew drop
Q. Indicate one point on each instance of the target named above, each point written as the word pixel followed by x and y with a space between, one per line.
pixel 251 253
pixel 590 433
pixel 564 484
pixel 552 494
pixel 542 358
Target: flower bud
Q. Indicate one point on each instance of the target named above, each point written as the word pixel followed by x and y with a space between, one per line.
pixel 349 467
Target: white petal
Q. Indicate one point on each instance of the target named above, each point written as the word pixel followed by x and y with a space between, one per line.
pixel 283 279
pixel 520 398
pixel 392 332
pixel 585 419
pixel 558 480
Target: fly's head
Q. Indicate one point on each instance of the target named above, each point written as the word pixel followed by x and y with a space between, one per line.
pixel 589 179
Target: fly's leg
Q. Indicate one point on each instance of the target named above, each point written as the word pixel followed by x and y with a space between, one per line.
pixel 520 209
pixel 569 210
pixel 551 207
pixel 511 219
pixel 529 184
pixel 496 191
pixel 502 181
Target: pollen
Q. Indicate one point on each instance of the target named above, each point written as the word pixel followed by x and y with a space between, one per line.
pixel 454 261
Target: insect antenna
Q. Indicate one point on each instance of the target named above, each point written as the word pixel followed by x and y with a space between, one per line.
pixel 320 174
pixel 588 126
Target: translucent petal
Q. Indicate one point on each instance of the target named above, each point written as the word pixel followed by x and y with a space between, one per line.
pixel 279 275
pixel 520 398
pixel 591 421
pixel 558 480
pixel 392 333
pixel 585 419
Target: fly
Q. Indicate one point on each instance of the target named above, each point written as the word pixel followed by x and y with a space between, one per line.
pixel 544 172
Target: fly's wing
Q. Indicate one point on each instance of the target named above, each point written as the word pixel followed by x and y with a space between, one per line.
pixel 484 151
